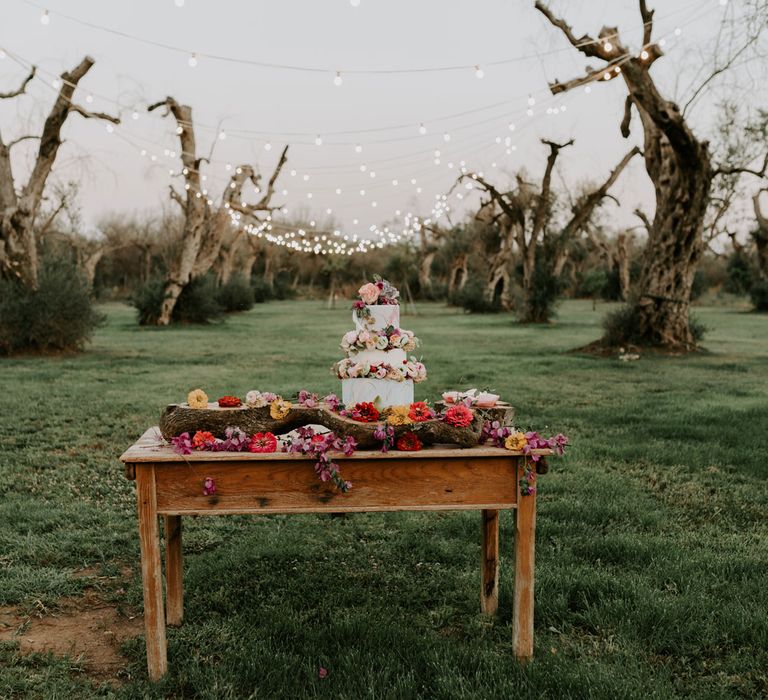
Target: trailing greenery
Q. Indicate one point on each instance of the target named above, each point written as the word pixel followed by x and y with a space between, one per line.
pixel 57 316
pixel 651 532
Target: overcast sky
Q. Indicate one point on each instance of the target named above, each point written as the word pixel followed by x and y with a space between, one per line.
pixel 256 105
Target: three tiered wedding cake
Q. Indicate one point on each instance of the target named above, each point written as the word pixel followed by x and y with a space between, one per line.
pixel 377 368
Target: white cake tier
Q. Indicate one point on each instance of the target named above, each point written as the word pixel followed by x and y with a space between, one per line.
pixel 382 315
pixel 387 391
pixel 377 357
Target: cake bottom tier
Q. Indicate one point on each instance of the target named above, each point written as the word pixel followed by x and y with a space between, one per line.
pixel 388 392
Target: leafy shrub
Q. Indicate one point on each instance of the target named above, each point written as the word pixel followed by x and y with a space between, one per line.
pixel 283 287
pixel 593 283
pixel 738 275
pixel 236 294
pixel 758 292
pixel 622 327
pixel 57 316
pixel 261 290
pixel 472 299
pixel 545 293
pixel 197 303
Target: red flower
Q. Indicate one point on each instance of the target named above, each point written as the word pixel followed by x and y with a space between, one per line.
pixel 263 442
pixel 202 438
pixel 409 442
pixel 365 412
pixel 229 402
pixel 419 411
pixel 459 416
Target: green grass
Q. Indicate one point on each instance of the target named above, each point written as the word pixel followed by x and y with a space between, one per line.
pixel 652 533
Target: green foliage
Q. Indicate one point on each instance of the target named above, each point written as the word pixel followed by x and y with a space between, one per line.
pixel 542 302
pixel 650 582
pixel 621 326
pixel 262 292
pixel 197 303
pixel 593 283
pixel 235 295
pixel 472 298
pixel 739 274
pixel 758 293
pixel 57 316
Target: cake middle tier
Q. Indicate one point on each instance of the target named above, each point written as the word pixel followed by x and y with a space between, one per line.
pixel 379 357
pixel 383 392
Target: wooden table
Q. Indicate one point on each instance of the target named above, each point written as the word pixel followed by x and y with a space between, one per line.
pixel 437 478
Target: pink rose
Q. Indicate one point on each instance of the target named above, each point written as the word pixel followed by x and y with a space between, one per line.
pixel 369 293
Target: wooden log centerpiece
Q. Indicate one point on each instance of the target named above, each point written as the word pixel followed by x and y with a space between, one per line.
pixel 180 418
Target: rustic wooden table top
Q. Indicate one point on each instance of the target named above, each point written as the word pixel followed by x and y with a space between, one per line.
pixel 151 447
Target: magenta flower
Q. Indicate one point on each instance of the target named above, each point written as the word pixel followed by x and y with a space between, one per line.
pixel 182 444
pixel 209 486
pixel 332 401
pixel 322 672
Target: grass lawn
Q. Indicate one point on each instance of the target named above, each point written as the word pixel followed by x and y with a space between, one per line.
pixel 652 560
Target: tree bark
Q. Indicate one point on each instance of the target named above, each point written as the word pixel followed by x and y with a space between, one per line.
pixel 760 237
pixel 458 274
pixel 20 206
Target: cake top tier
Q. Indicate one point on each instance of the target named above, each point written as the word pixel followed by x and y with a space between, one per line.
pixel 377 305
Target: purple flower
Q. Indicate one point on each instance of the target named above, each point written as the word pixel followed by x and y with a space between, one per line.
pixel 332 401
pixel 182 444
pixel 209 486
pixel 322 672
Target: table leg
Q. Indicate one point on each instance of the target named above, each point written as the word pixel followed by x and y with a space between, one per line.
pixel 174 571
pixel 525 535
pixel 151 572
pixel 489 562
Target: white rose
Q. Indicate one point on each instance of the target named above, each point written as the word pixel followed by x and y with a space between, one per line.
pixel 254 399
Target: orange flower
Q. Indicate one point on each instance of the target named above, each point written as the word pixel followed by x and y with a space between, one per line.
pixel 202 438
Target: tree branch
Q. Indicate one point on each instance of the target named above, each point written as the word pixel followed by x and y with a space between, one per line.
pixel 22 88
pixel 22 138
pixel 625 122
pixel 736 170
pixel 92 115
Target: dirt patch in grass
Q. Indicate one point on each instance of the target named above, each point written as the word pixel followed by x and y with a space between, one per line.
pixel 87 629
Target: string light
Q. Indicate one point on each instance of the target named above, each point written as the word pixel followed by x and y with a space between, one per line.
pixel 358 148
pixel 422 129
pixel 608 46
pixel 318 140
pixel 644 55
pixel 2 54
pixel 192 61
pixel 222 135
pixel 479 73
pixel 178 3
pixel 531 100
pixel 134 115
pixel 354 3
pixel 267 146
pixel 337 81
pixel 446 137
pixel 89 99
pixel 45 18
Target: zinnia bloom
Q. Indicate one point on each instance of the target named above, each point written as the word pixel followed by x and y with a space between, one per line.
pixel 263 442
pixel 203 438
pixel 516 441
pixel 419 411
pixel 366 412
pixel 399 415
pixel 459 416
pixel 229 402
pixel 197 398
pixel 409 442
pixel 279 408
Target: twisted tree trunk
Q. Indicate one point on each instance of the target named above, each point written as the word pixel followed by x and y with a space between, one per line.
pixel 680 168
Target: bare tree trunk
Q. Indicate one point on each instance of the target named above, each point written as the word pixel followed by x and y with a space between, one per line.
pixel 760 236
pixel 91 262
pixel 458 274
pixel 204 228
pixel 622 265
pixel 680 168
pixel 20 206
pixel 425 271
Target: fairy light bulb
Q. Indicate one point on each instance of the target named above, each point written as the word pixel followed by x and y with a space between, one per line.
pixel 135 115
pixel 446 137
pixel 531 100
pixel 45 18
pixel 267 146
pixel 110 128
pixel 678 31
pixel 56 83
pixel 422 129
pixel 358 148
pixel 2 54
pixel 354 3
pixel 644 55
pixel 318 140
pixel 222 135
pixel 192 60
pixel 179 130
pixel 338 80
pixel 363 168
pixel 178 3
pixel 608 46
pixel 479 73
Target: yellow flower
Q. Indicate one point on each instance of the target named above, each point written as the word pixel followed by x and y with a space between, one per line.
pixel 279 409
pixel 197 398
pixel 516 441
pixel 398 415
